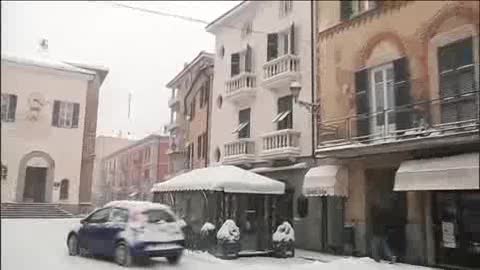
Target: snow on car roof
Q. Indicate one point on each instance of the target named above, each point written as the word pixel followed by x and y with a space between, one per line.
pixel 138 205
pixel 224 178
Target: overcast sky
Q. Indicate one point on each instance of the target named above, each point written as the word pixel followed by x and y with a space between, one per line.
pixel 143 51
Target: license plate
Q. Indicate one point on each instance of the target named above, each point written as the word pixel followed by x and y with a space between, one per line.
pixel 162 247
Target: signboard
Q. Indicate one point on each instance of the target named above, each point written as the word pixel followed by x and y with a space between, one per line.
pixel 448 235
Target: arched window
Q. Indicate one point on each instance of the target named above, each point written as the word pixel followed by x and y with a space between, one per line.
pixel 64 189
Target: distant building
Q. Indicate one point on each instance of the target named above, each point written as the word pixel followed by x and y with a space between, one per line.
pixel 190 106
pixel 104 146
pixel 130 172
pixel 49 120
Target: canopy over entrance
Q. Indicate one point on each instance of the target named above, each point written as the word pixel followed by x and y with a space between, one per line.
pixel 229 179
pixel 326 180
pixel 446 173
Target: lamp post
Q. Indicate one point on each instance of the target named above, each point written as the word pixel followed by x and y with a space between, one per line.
pixel 295 88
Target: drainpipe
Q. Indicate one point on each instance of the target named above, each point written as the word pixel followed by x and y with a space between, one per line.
pixel 312 56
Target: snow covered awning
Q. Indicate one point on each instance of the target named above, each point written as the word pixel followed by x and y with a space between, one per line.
pixel 326 180
pixel 446 173
pixel 224 178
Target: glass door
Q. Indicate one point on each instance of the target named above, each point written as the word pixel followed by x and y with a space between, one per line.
pixel 382 98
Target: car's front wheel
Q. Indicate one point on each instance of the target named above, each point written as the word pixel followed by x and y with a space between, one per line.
pixel 72 245
pixel 173 259
pixel 122 254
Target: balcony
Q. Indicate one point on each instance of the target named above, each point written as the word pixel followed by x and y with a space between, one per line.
pixel 278 73
pixel 173 101
pixel 281 144
pixel 241 88
pixel 446 121
pixel 240 151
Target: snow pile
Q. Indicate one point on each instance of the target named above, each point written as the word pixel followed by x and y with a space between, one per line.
pixel 181 222
pixel 284 233
pixel 207 227
pixel 229 231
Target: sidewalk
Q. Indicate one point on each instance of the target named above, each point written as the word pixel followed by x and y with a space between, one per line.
pixel 317 256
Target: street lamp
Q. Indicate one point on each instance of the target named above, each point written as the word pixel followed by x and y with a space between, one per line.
pixel 295 88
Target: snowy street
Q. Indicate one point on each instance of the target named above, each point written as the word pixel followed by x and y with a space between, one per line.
pixel 40 244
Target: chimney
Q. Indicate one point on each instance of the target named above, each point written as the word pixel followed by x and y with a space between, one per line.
pixel 43 45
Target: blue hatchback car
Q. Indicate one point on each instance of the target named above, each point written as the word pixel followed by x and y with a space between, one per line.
pixel 127 231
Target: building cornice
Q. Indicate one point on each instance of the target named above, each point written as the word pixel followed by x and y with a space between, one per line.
pixel 362 18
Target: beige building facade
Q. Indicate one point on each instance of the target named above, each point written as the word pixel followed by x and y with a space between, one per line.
pixel 49 112
pixel 398 85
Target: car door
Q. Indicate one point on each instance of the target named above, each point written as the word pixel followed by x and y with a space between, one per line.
pixel 108 232
pixel 90 233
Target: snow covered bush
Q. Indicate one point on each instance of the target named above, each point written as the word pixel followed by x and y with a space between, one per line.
pixel 229 231
pixel 284 233
pixel 207 227
pixel 181 222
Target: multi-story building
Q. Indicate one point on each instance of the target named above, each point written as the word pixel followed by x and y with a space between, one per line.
pixel 262 49
pixel 189 119
pixel 104 146
pixel 49 120
pixel 130 172
pixel 399 125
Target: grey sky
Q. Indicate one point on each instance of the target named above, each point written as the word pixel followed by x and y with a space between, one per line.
pixel 143 51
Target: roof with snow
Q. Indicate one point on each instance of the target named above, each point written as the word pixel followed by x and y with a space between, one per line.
pixel 201 56
pixel 224 178
pixel 137 205
pixel 44 61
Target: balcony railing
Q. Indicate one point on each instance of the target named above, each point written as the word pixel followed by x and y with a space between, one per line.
pixel 239 151
pixel 284 64
pixel 281 144
pixel 241 81
pixel 437 117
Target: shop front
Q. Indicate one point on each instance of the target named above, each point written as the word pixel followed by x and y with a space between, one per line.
pixel 452 190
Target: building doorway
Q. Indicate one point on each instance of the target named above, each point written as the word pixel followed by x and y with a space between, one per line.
pixel 35 180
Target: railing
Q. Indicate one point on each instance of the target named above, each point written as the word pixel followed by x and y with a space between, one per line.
pixel 436 117
pixel 282 139
pixel 239 148
pixel 243 80
pixel 283 64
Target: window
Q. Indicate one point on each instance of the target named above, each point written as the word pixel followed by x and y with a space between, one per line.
pixel 65 114
pixel 221 51
pixel 193 107
pixel 157 215
pixel 146 174
pixel 284 117
pixel 9 107
pixel 4 171
pixel 219 101
pixel 382 98
pixel 243 128
pixel 218 154
pixel 457 77
pixel 285 7
pixel 64 189
pixel 205 145
pixel 119 215
pixel 246 29
pixel 147 155
pixel 302 206
pixel 241 62
pixel 352 8
pixel 281 43
pixel 234 64
pixel 101 216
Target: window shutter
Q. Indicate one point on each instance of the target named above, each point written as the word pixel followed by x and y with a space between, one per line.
pixel 362 102
pixel 248 59
pixel 76 112
pixel 12 108
pixel 235 64
pixel 56 112
pixel 205 145
pixel 207 90
pixel 402 93
pixel 199 146
pixel 292 39
pixel 272 46
pixel 345 10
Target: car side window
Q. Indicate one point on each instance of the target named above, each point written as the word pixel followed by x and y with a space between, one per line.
pixel 119 215
pixel 101 216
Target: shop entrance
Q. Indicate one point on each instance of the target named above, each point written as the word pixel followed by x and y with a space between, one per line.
pixel 457 228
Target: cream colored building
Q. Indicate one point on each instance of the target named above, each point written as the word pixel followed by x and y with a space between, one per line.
pixel 49 113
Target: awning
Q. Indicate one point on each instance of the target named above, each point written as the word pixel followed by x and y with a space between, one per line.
pixel 326 180
pixel 224 178
pixel 446 173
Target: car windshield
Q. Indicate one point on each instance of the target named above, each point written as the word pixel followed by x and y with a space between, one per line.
pixel 155 216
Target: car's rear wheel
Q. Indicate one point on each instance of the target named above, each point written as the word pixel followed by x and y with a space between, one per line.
pixel 122 254
pixel 174 259
pixel 72 245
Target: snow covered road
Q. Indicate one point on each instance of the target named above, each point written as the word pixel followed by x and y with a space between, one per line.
pixel 32 244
